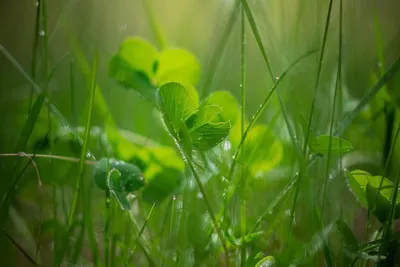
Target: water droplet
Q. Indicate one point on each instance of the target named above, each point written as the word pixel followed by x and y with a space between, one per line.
pixel 276 78
pixel 173 197
pixel 37 3
pixel 227 145
pixel 199 195
pixel 287 212
pixel 42 33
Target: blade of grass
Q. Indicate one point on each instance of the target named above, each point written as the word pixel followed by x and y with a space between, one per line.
pixel 320 61
pixel 218 52
pixel 335 94
pixel 38 90
pixel 348 118
pixel 214 220
pixel 314 98
pixel 85 143
pixel 89 226
pixel 142 229
pixel 252 123
pixel 73 97
pixel 386 236
pixel 35 50
pixel 243 115
pixel 155 26
pixel 170 229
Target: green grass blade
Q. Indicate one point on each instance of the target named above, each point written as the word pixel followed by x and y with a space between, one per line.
pixel 253 120
pixel 218 52
pixel 85 142
pixel 243 117
pixel 155 26
pixel 321 58
pixel 346 120
pixel 35 50
pixel 257 35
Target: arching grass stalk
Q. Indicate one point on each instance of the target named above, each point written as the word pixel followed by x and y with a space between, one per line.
pixel 208 206
pixel 218 52
pixel 252 122
pixel 386 236
pixel 243 115
pixel 170 228
pixel 143 227
pixel 335 94
pixel 39 101
pixel 158 34
pixel 34 50
pixel 314 98
pixel 321 58
pixel 85 143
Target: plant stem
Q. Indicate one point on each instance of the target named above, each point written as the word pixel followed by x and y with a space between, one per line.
pixel 243 111
pixel 208 206
pixel 85 142
pixel 57 157
pixel 158 34
pixel 335 94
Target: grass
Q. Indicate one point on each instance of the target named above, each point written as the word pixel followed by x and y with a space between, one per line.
pixel 268 187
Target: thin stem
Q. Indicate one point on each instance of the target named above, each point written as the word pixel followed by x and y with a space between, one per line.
pixel 218 52
pixel 57 157
pixel 243 111
pixel 85 142
pixel 208 206
pixel 337 87
pixel 34 52
pixel 321 57
pixel 142 229
pixel 158 34
pixel 253 120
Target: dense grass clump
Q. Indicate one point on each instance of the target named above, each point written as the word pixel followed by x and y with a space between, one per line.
pixel 259 149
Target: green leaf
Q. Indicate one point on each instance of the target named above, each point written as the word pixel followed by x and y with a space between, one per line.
pixel 209 135
pixel 268 261
pixel 130 78
pixel 130 180
pixel 228 103
pixel 177 103
pixel 338 146
pixel 132 66
pixel 349 239
pixel 177 65
pixel 365 188
pixel 139 54
pixel 204 115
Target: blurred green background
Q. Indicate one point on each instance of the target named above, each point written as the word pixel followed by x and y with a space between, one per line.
pixel 288 28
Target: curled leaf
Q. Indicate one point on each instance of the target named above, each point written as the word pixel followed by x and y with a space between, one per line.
pixel 338 146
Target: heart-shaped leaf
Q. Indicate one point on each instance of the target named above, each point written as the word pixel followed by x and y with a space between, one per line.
pixel 365 187
pixel 132 67
pixel 177 65
pixel 139 54
pixel 204 115
pixel 228 104
pixel 338 146
pixel 176 103
pixel 209 135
